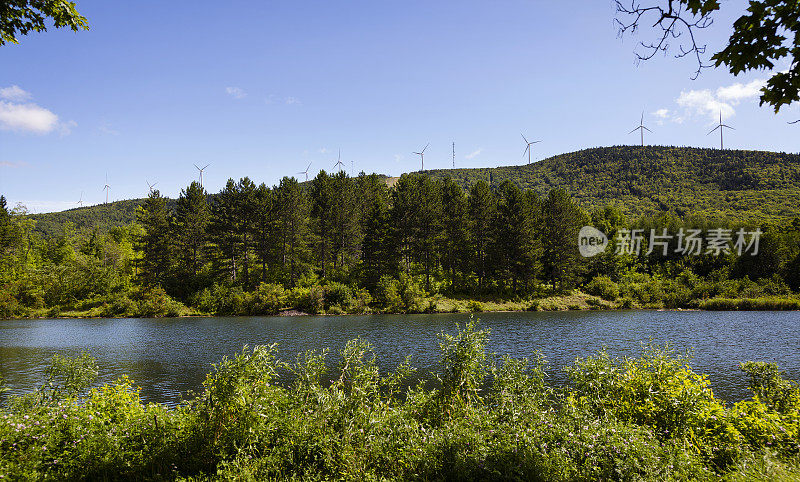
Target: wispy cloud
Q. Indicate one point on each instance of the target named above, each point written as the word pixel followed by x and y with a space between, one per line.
pixel 324 150
pixel 14 93
pixel 710 104
pixel 106 128
pixel 236 92
pixel 398 157
pixel 13 164
pixel 292 100
pixel 473 154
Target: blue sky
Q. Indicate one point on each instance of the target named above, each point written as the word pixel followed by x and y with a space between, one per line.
pixel 261 89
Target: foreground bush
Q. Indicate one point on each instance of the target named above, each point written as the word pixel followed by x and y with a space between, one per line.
pixel 649 418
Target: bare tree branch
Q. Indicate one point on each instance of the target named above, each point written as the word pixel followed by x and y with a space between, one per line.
pixel 674 21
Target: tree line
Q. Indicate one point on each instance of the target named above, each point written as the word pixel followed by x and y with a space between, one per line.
pixel 356 230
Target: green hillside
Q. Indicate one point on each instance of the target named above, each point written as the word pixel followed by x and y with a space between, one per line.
pixel 752 185
pixel 746 185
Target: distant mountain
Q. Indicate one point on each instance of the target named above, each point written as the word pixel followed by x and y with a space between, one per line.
pixel 755 186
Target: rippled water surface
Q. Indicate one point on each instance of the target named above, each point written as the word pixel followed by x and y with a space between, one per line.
pixel 168 357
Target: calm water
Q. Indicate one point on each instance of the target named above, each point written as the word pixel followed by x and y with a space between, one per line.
pixel 168 357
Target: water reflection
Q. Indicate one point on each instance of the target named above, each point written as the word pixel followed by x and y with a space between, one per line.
pixel 168 357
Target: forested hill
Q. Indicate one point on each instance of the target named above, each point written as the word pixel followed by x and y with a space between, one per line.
pixel 751 185
pixel 756 185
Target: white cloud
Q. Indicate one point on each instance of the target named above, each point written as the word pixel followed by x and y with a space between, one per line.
pixel 473 154
pixel 737 92
pixel 236 92
pixel 26 118
pixel 710 104
pixel 293 100
pixel 324 150
pixel 398 157
pixel 705 103
pixel 661 113
pixel 14 93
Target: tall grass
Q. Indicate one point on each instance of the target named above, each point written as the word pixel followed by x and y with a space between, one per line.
pixel 750 304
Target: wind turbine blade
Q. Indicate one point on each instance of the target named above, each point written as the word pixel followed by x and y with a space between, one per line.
pixel 527 148
pixel 195 166
pixel 204 167
pixel 712 130
pixel 641 120
pixel 634 130
pixel 729 127
pixel 526 140
pixel 645 128
pixel 426 146
pixel 535 142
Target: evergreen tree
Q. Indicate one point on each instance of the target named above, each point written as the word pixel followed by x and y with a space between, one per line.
pixel 454 220
pixel 321 194
pixel 377 256
pixel 224 231
pixel 292 205
pixel 265 236
pixel 563 220
pixel 482 206
pixel 156 243
pixel 192 215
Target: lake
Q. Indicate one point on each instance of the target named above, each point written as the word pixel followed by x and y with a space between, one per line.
pixel 168 357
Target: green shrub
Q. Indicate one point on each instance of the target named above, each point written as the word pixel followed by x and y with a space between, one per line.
pixel 338 294
pixel 308 299
pixel 155 303
pixel 267 299
pixel 603 287
pixel 387 294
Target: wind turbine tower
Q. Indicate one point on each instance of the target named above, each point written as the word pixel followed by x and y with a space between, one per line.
pixel 721 127
pixel 201 172
pixel 306 171
pixel 641 128
pixel 421 155
pixel 528 147
pixel 150 186
pixel 80 201
pixel 339 162
pixel 454 155
pixel 106 188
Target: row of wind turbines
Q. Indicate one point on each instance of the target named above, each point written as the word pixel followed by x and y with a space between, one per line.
pixel 340 165
pixel 641 128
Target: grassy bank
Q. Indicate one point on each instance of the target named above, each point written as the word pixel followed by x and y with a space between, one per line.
pixel 649 418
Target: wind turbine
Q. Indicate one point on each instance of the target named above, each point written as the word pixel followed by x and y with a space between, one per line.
pixel 201 172
pixel 306 171
pixel 80 201
pixel 339 161
pixel 106 188
pixel 151 186
pixel 421 155
pixel 528 147
pixel 721 128
pixel 641 128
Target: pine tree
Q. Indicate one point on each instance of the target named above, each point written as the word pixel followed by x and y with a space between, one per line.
pixel 224 232
pixel 563 220
pixel 454 219
pixel 192 215
pixel 321 194
pixel 156 243
pixel 482 207
pixel 292 204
